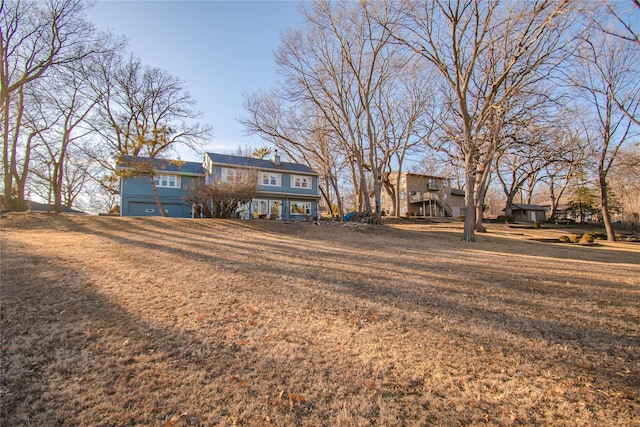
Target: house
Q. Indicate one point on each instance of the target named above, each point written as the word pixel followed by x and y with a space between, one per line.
pixel 172 179
pixel 48 208
pixel 424 196
pixel 285 191
pixel 529 213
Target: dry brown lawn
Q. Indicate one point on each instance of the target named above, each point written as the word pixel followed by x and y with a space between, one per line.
pixel 171 322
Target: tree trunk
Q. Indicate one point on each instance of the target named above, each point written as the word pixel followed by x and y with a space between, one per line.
pixel 156 197
pixel 508 207
pixel 334 184
pixel 20 203
pixel 327 199
pixel 606 217
pixel 480 194
pixel 56 188
pixel 363 197
pixel 6 169
pixel 554 204
pixel 58 173
pixel 20 178
pixel 468 235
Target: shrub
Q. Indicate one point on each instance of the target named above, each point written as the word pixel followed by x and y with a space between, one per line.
pixel 505 218
pixel 574 238
pixel 461 217
pixel 536 224
pixel 564 239
pixel 587 238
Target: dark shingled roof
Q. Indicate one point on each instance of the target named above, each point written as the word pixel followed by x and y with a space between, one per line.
pixel 526 207
pixel 42 207
pixel 177 166
pixel 226 159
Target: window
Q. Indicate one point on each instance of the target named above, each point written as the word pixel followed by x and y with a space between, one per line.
pixel 300 208
pixel 299 181
pixel 232 175
pixel 269 179
pixel 260 206
pixel 434 184
pixel 168 181
pixel 402 195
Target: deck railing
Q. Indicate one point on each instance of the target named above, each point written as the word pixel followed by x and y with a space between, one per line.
pixel 420 197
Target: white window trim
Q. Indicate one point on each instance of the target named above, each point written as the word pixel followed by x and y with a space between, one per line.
pixel 161 183
pixel 303 179
pixel 255 203
pixel 237 174
pixel 306 207
pixel 269 175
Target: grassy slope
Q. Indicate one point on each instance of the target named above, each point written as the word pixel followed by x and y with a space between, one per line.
pixel 112 321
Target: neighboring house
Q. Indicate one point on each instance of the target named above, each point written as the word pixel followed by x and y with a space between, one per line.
pixel 287 191
pixel 49 208
pixel 529 213
pixel 172 179
pixel 423 195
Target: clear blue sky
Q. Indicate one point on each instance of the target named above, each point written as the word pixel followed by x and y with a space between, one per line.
pixel 220 49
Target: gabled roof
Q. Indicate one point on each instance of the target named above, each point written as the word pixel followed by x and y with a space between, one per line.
pixel 42 207
pixel 163 165
pixel 526 207
pixel 226 159
pixel 421 175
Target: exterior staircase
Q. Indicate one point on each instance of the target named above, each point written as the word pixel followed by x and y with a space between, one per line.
pixel 420 197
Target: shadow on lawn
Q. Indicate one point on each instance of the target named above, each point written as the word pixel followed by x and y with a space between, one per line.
pixel 560 304
pixel 520 306
pixel 71 356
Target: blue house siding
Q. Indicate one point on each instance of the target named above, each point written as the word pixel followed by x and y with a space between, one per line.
pixel 286 199
pixel 280 200
pixel 136 193
pixel 137 198
pixel 294 208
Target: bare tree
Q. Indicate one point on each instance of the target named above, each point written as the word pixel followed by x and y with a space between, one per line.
pixel 350 101
pixel 533 139
pixel 624 180
pixel 517 165
pixel 607 78
pixel 219 199
pixel 300 133
pixel 144 113
pixel 339 63
pixel 485 52
pixel 35 37
pixel 559 174
pixel 624 22
pixel 403 112
pixel 64 97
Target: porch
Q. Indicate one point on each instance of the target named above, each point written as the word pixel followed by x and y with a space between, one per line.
pixel 430 204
